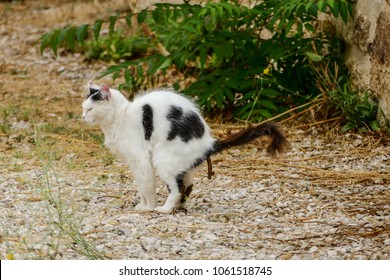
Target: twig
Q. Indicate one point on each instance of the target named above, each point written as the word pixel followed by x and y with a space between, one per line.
pixel 319 122
pixel 160 48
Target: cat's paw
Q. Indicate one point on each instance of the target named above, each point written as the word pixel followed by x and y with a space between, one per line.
pixel 164 209
pixel 143 208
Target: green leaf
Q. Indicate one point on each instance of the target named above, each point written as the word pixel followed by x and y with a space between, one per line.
pixel 176 86
pixel 219 98
pixel 165 63
pixel 288 27
pixel 321 6
pixel 203 56
pixel 140 71
pixel 116 75
pixel 374 125
pixel 269 92
pixel 111 70
pixel 45 40
pixel 96 29
pixel 142 16
pixel 54 41
pixel 310 27
pixel 129 20
pixel 308 6
pixel 112 20
pixel 228 93
pixel 268 104
pixel 128 78
pixel 314 57
pixel 228 8
pixel 62 35
pixel 350 8
pixel 347 127
pixel 70 37
pixel 232 83
pixel 265 113
pixel 189 28
pixel 344 11
pixel 81 33
pixel 331 3
pixel 213 12
pixel 334 8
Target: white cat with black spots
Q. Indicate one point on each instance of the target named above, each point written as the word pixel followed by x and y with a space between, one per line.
pixel 162 132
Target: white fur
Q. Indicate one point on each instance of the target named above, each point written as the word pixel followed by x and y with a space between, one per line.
pixel 121 123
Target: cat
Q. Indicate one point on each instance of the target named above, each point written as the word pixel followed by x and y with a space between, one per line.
pixel 163 132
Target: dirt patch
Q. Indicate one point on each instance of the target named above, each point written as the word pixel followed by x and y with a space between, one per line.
pixel 63 196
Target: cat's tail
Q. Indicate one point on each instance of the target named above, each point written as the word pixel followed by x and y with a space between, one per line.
pixel 278 145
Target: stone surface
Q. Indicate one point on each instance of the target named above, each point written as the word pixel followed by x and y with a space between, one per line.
pixel 368 51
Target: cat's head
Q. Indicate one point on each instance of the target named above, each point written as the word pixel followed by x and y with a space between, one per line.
pixel 97 105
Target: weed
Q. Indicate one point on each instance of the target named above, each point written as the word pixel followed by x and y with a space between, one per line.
pixel 359 110
pixel 116 47
pixel 58 211
pixel 9 111
pixel 233 70
pixel 5 127
pixel 108 159
pixel 97 136
pixel 50 127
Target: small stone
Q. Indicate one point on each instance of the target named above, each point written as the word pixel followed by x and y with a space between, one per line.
pixel 20 125
pixel 313 249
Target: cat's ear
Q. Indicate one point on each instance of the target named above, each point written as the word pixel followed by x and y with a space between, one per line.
pixel 91 84
pixel 105 92
pixel 92 88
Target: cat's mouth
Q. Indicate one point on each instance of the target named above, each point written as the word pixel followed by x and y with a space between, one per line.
pixel 85 116
pixel 90 121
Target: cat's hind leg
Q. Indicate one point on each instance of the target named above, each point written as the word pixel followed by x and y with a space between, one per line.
pixel 186 190
pixel 175 185
pixel 179 188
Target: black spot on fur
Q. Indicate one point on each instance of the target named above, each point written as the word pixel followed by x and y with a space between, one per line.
pixel 175 113
pixel 185 125
pixel 186 193
pixel 95 95
pixel 180 181
pixel 147 121
pixel 184 190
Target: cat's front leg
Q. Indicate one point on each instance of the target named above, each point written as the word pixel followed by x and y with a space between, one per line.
pixel 148 200
pixel 142 206
pixel 145 181
pixel 148 197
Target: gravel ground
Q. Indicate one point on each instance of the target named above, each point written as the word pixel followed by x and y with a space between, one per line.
pixel 62 196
